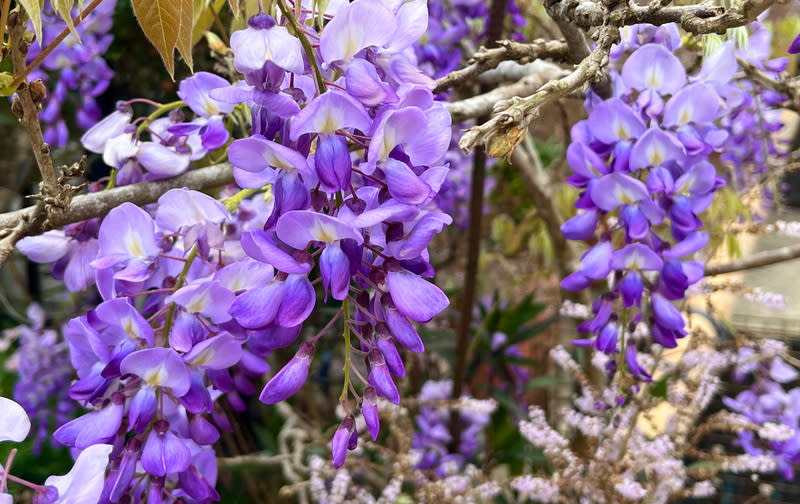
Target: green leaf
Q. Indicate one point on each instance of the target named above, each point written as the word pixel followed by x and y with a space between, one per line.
pixel 64 9
pixel 544 382
pixel 6 78
pixel 161 23
pixel 659 388
pixel 34 10
pixel 204 17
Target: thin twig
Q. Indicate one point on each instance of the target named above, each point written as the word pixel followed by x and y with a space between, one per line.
pixel 55 43
pixel 486 59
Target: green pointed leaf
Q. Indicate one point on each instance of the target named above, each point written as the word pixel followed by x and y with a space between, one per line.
pixel 34 10
pixel 64 9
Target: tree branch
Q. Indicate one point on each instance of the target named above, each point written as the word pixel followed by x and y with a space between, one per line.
pixel 503 132
pixel 758 260
pixel 486 59
pixel 699 18
pixel 483 104
pixel 87 206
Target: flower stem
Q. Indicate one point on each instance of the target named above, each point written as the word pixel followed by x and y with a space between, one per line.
pixel 158 113
pixel 346 368
pixel 178 284
pixel 306 46
pixel 52 45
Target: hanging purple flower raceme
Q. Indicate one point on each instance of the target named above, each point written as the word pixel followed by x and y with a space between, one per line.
pixel 432 438
pixel 754 115
pixel 640 161
pixel 354 166
pixel 338 178
pixel 74 73
pixel 44 375
pixel 155 357
pixel 768 402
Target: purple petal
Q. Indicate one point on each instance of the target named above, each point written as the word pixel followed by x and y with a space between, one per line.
pixel 165 454
pixel 636 256
pixel 654 148
pixel 615 189
pixel 290 379
pixel 369 408
pixel 297 303
pixel 415 297
pixel 298 228
pixel 260 246
pixel 691 244
pixel 654 67
pixel 217 352
pixel 334 267
pixel 403 330
pixel 253 47
pixel 45 248
pixel 162 160
pixel 356 26
pixel 255 153
pixel 697 103
pixel 195 91
pixel 613 120
pixel 159 367
pixel 257 307
pixel 329 112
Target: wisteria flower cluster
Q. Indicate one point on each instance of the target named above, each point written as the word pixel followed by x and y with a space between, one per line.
pixel 641 162
pixel 44 372
pixel 349 142
pixel 75 73
pixel 432 438
pixel 768 403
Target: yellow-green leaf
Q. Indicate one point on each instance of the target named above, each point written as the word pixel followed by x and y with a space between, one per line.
pixel 6 78
pixel 204 16
pixel 185 39
pixel 64 9
pixel 34 10
pixel 161 23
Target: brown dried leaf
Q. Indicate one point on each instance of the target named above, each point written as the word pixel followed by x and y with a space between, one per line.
pixel 161 23
pixel 64 9
pixel 234 7
pixel 34 10
pixel 503 143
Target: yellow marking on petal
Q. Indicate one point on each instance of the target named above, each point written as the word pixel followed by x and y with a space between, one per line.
pixel 133 245
pixel 197 305
pixel 330 124
pixel 322 233
pixel 653 80
pixel 622 132
pixel 685 116
pixel 656 156
pixel 156 377
pixel 210 108
pixel 202 358
pixel 129 328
